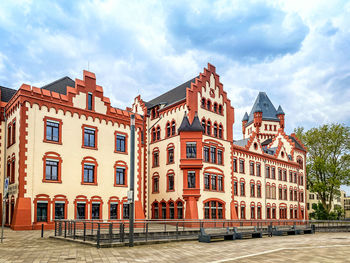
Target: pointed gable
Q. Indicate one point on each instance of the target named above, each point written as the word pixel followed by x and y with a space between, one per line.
pixel 264 105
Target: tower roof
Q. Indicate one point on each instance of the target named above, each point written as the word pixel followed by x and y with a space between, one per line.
pixel 245 117
pixel 279 110
pixel 264 105
pixel 186 126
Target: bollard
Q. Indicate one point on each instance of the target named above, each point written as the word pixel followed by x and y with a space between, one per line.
pixel 84 238
pixel 98 235
pixel 42 230
pixel 177 230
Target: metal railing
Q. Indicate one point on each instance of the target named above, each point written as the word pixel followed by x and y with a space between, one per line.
pixel 116 232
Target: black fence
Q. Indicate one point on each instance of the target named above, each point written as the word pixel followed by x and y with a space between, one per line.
pixel 104 233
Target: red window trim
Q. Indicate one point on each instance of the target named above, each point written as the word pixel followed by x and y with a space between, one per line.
pixel 126 142
pixel 218 201
pixel 154 176
pixel 81 198
pixel 9 134
pixel 218 173
pixel 125 166
pixel 170 145
pixel 170 172
pixel 47 118
pixel 96 136
pixel 55 156
pixel 42 197
pixel 156 149
pixel 96 199
pixel 239 166
pixel 89 160
pixel 212 143
pixel 58 198
pixel 113 199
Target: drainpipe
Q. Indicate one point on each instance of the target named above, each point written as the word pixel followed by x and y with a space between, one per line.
pixel 5 166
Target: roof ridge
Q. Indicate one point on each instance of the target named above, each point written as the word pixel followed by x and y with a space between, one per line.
pixel 57 80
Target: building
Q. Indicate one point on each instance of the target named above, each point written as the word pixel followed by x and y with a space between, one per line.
pixel 67 155
pixel 347 207
pixel 313 198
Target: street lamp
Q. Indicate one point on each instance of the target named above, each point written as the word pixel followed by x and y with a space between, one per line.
pixel 132 183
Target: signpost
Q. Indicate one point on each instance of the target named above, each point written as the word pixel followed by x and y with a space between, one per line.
pixel 132 171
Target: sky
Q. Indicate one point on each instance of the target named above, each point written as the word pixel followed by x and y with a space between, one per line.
pixel 297 51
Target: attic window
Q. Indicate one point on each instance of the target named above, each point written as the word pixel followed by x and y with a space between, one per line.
pixel 255 146
pixel 90 101
pixel 282 154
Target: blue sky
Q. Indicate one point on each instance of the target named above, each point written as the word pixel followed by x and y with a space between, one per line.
pixel 297 51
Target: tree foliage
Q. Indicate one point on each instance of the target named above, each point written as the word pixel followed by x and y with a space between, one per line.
pixel 320 213
pixel 328 160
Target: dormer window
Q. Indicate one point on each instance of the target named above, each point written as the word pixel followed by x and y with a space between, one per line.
pixel 203 103
pixel 220 109
pixel 215 107
pixel 89 101
pixel 208 105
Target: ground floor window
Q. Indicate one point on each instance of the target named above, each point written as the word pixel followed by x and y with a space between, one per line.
pixel 59 211
pixel 113 211
pixel 259 212
pixel 180 213
pixel 171 211
pixel 213 210
pixel 95 211
pixel 163 210
pixel 125 211
pixel 41 212
pixel 81 211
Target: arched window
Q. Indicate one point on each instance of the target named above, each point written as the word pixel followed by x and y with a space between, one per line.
pixel 215 130
pixel 204 125
pixel 220 109
pixel 208 128
pixel 173 128
pixel 52 167
pixel 168 129
pixel 213 210
pixel 155 210
pixel 300 162
pixel 163 212
pixel 171 210
pixel 153 113
pixel 89 171
pixel 179 210
pixel 215 107
pixel 155 183
pixel 158 133
pixel 208 105
pixel 203 102
pixel 220 131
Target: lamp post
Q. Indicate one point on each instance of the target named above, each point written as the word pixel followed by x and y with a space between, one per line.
pixel 132 182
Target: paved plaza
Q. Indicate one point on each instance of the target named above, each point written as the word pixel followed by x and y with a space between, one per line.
pixel 27 246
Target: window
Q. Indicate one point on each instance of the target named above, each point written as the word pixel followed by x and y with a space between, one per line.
pixel 258 170
pixel 41 212
pixel 170 182
pixel 252 189
pixel 311 196
pixel 89 137
pixel 235 165
pixel 51 170
pixel 173 128
pixel 208 105
pixel 191 150
pixel 191 179
pixel 215 107
pixel 268 193
pixel 273 172
pixel 171 210
pixel 113 211
pixel 295 178
pixel 81 211
pixel 220 183
pixel 90 101
pixel 179 210
pixel 168 130
pixel 295 195
pixel 274 212
pixel 52 131
pixel 13 170
pixel 242 212
pixel 204 126
pixel 121 142
pixel 220 109
pixel 155 211
pixel 242 189
pixel 125 211
pixel 291 195
pixel 215 130
pixel 158 133
pixel 280 174
pixel 267 171
pixel 59 210
pixel 241 166
pixel 235 188
pixel 203 103
pixel 153 134
pixel 252 212
pixel 220 131
pixel 163 210
pixel 170 155
pixel 207 181
pixel 155 184
pixel 213 210
pixel 155 158
pixel 268 212
pixel 284 175
pixel 259 213
pixel 208 128
pixel 280 194
pixel 9 135
pixel 213 154
pixel 219 156
pixel 120 178
pixel 206 154
pixel 95 211
pixel 213 182
pixel 89 173
pixel 251 167
pixel 258 190
pixel 285 194
pixel 290 176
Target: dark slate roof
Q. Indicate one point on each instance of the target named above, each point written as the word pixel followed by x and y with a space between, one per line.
pixel 196 125
pixel 245 117
pixel 266 142
pixel 242 142
pixel 172 96
pixel 185 125
pixel 7 93
pixel 279 110
pixel 60 85
pixel 297 144
pixel 264 105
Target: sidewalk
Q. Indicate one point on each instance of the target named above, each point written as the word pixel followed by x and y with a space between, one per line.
pixel 27 246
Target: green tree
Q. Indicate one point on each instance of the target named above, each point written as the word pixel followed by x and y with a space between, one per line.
pixel 328 160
